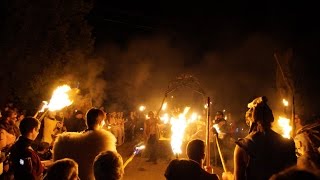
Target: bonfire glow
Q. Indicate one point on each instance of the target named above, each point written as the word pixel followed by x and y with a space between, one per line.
pixel 165 118
pixel 60 98
pixel 284 124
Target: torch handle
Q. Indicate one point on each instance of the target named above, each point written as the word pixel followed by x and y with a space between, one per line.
pixel 128 160
pixel 220 154
pixel 42 116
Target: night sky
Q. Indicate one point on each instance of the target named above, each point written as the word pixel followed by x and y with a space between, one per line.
pixel 228 46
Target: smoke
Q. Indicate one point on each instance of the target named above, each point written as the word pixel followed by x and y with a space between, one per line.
pixel 141 72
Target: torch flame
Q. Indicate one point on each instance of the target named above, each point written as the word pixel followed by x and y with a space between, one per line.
pixel 165 118
pixel 284 124
pixel 142 108
pixel 164 106
pixel 140 147
pixel 45 105
pixel 285 102
pixel 60 98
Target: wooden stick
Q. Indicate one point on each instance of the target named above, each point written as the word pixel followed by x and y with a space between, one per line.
pixel 221 157
pixel 128 160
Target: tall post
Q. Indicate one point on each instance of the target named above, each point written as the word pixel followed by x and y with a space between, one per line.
pixel 293 133
pixel 208 134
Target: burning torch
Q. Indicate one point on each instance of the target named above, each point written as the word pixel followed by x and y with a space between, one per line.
pixel 60 99
pixel 136 151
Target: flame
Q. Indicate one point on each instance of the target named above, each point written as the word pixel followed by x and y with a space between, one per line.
pixel 142 108
pixel 285 102
pixel 284 124
pixel 178 126
pixel 164 106
pixel 60 98
pixel 165 118
pixel 45 106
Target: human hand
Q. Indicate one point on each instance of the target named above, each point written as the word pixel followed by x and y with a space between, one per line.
pixel 227 176
pixel 209 169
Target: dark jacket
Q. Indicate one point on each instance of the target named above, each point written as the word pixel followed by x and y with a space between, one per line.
pixel 26 163
pixel 184 169
pixel 269 153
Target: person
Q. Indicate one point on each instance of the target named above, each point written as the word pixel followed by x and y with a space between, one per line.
pixel 151 133
pixel 295 173
pixel 76 123
pixel 108 165
pixel 85 146
pixel 191 168
pixel 307 141
pixel 263 152
pixel 49 125
pixel 25 162
pixel 44 152
pixel 66 169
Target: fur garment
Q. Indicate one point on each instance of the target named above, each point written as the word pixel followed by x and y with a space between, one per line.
pixel 83 148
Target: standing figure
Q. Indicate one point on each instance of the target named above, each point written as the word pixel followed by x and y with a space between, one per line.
pixel 151 133
pixel 263 152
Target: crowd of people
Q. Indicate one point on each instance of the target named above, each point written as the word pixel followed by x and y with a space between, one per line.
pixel 85 146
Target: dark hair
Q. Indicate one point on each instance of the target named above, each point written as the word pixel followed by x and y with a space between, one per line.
pixel 195 149
pixel 92 117
pixel 8 113
pixel 62 169
pixel 28 124
pixel 294 173
pixel 108 165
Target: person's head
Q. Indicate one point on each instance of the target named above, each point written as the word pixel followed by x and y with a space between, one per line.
pixel 10 115
pixel 150 114
pixel 78 114
pixel 259 116
pixel 219 114
pixel 63 169
pixel 43 147
pixel 95 118
pixel 29 127
pixel 196 150
pixel 108 165
pixel 294 173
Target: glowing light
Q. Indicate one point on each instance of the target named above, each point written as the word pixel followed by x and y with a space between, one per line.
pixel 45 106
pixel 164 106
pixel 284 124
pixel 217 128
pixel 285 102
pixel 60 98
pixel 142 108
pixel 140 147
pixel 165 118
pixel 206 106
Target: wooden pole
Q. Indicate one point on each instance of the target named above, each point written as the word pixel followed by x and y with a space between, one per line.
pixel 208 134
pixel 220 153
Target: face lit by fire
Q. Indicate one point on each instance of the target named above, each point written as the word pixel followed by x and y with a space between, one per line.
pixel 249 118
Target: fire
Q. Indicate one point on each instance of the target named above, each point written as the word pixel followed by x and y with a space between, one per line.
pixel 142 108
pixel 164 107
pixel 178 126
pixel 285 102
pixel 45 105
pixel 60 98
pixel 284 124
pixel 217 128
pixel 165 118
pixel 140 147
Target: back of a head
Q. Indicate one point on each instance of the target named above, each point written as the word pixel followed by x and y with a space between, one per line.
pixel 27 125
pixel 63 169
pixel 195 149
pixel 294 174
pixel 92 117
pixel 108 165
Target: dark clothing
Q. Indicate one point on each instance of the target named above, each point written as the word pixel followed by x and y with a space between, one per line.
pixel 26 163
pixel 153 145
pixel 269 153
pixel 187 169
pixel 75 125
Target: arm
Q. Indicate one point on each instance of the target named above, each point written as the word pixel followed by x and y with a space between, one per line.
pixel 240 163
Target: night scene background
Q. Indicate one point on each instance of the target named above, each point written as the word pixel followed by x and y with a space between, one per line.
pixel 123 54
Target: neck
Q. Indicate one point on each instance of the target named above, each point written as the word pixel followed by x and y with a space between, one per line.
pixel 199 161
pixel 29 136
